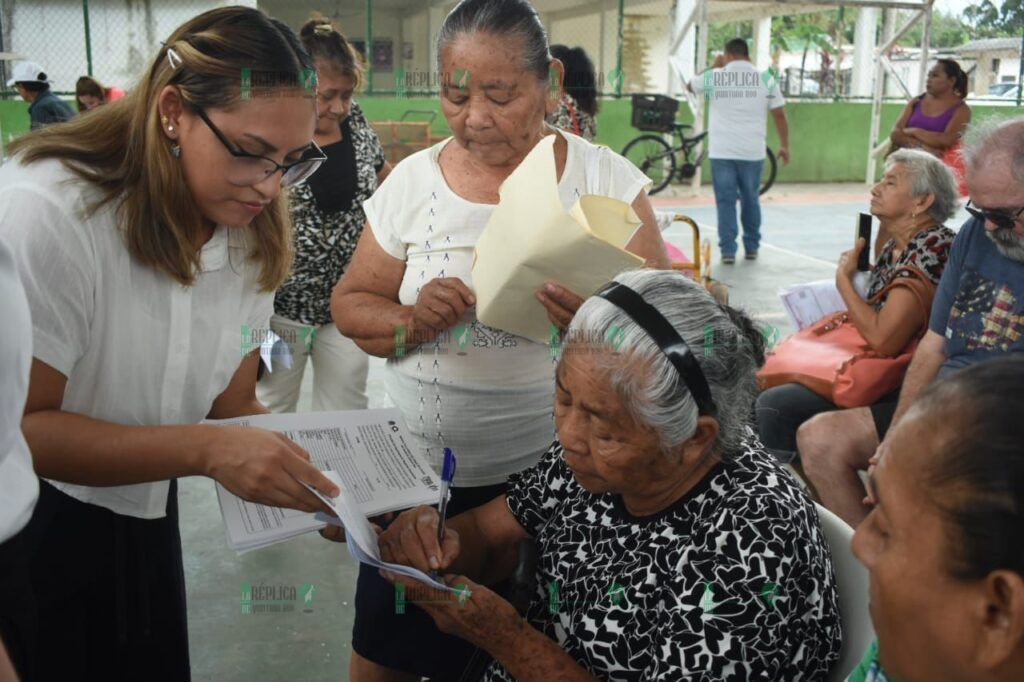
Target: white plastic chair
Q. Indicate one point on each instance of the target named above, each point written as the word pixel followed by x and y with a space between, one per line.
pixel 852 584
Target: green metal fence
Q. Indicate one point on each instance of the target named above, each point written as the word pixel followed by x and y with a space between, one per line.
pixel 112 40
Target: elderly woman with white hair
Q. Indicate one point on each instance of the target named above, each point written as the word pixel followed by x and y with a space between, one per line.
pixel 670 544
pixel 915 196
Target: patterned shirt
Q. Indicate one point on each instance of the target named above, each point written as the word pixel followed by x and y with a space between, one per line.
pixel 324 241
pixel 979 306
pixel 927 251
pixel 732 582
pixel 569 116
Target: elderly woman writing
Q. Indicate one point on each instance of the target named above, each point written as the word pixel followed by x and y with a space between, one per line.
pixel 408 291
pixel 915 196
pixel 671 546
pixel 944 542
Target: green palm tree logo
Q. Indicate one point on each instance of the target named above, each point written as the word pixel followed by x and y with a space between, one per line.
pixel 615 336
pixel 615 78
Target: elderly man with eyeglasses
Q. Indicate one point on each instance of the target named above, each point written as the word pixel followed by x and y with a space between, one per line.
pixel 978 314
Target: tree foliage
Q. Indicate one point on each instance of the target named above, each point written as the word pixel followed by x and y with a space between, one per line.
pixel 988 21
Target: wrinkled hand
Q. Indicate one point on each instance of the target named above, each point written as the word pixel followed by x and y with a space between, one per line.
pixel 848 261
pixel 560 303
pixel 783 155
pixel 266 467
pixel 473 613
pixel 440 305
pixel 411 540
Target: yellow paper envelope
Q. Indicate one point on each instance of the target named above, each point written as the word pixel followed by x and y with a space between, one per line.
pixel 531 239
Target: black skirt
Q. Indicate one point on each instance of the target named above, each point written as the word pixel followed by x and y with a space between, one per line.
pixel 109 592
pixel 18 624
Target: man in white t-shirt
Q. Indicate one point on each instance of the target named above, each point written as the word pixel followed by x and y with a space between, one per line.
pixel 740 97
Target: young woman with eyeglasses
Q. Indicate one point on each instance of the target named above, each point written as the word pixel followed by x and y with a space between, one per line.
pixel 150 237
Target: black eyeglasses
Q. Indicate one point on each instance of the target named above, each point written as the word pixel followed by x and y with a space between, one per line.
pixel 1001 219
pixel 249 169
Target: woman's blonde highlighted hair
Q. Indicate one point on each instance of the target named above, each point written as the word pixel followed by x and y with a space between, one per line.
pixel 121 149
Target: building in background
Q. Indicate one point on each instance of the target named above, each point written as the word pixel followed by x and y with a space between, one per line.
pixel 997 62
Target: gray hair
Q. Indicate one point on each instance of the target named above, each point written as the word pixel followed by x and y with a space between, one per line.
pixel 993 134
pixel 928 175
pixel 505 18
pixel 726 343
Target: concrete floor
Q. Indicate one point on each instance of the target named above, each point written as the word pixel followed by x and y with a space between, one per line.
pixel 805 228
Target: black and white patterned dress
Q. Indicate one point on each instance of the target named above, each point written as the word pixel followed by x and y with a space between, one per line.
pixel 326 239
pixel 732 582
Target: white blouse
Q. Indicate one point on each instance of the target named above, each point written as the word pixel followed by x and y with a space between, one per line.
pixel 19 487
pixel 136 346
pixel 486 393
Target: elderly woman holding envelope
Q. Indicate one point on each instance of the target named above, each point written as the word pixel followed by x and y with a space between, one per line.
pixel 408 294
pixel 670 544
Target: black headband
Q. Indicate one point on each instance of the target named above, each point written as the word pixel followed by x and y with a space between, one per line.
pixel 667 338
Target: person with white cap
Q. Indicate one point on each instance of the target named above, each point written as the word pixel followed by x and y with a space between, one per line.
pixel 34 87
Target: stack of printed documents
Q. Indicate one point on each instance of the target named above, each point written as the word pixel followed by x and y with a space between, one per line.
pixel 361 538
pixel 371 453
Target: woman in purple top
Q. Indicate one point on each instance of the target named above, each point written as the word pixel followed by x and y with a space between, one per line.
pixel 935 120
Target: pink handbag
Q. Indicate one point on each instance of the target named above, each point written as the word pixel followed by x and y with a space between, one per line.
pixel 831 357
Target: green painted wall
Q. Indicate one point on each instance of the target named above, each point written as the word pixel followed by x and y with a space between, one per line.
pixel 828 140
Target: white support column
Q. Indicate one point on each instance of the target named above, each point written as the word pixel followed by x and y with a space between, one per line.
pixel 888 30
pixel 763 42
pixel 602 70
pixel 926 39
pixel 435 17
pixel 864 51
pixel 701 65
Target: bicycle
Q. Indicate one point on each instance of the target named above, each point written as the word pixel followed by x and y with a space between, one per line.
pixel 656 158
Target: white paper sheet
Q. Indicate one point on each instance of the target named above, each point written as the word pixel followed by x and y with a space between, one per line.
pixel 807 303
pixel 361 538
pixel 370 450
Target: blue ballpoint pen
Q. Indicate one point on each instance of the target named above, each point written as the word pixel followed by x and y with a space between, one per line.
pixel 447 476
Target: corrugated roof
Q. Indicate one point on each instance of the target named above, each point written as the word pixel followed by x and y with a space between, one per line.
pixel 990 45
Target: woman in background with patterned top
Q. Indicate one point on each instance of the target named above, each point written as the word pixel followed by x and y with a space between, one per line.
pixel 576 111
pixel 328 218
pixel 913 199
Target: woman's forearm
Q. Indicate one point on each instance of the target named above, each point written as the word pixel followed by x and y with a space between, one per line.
pixel 901 139
pixel 938 141
pixel 376 324
pixel 863 316
pixel 530 656
pixel 77 449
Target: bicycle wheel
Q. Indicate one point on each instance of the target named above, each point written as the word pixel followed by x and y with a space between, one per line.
pixel 768 174
pixel 655 159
